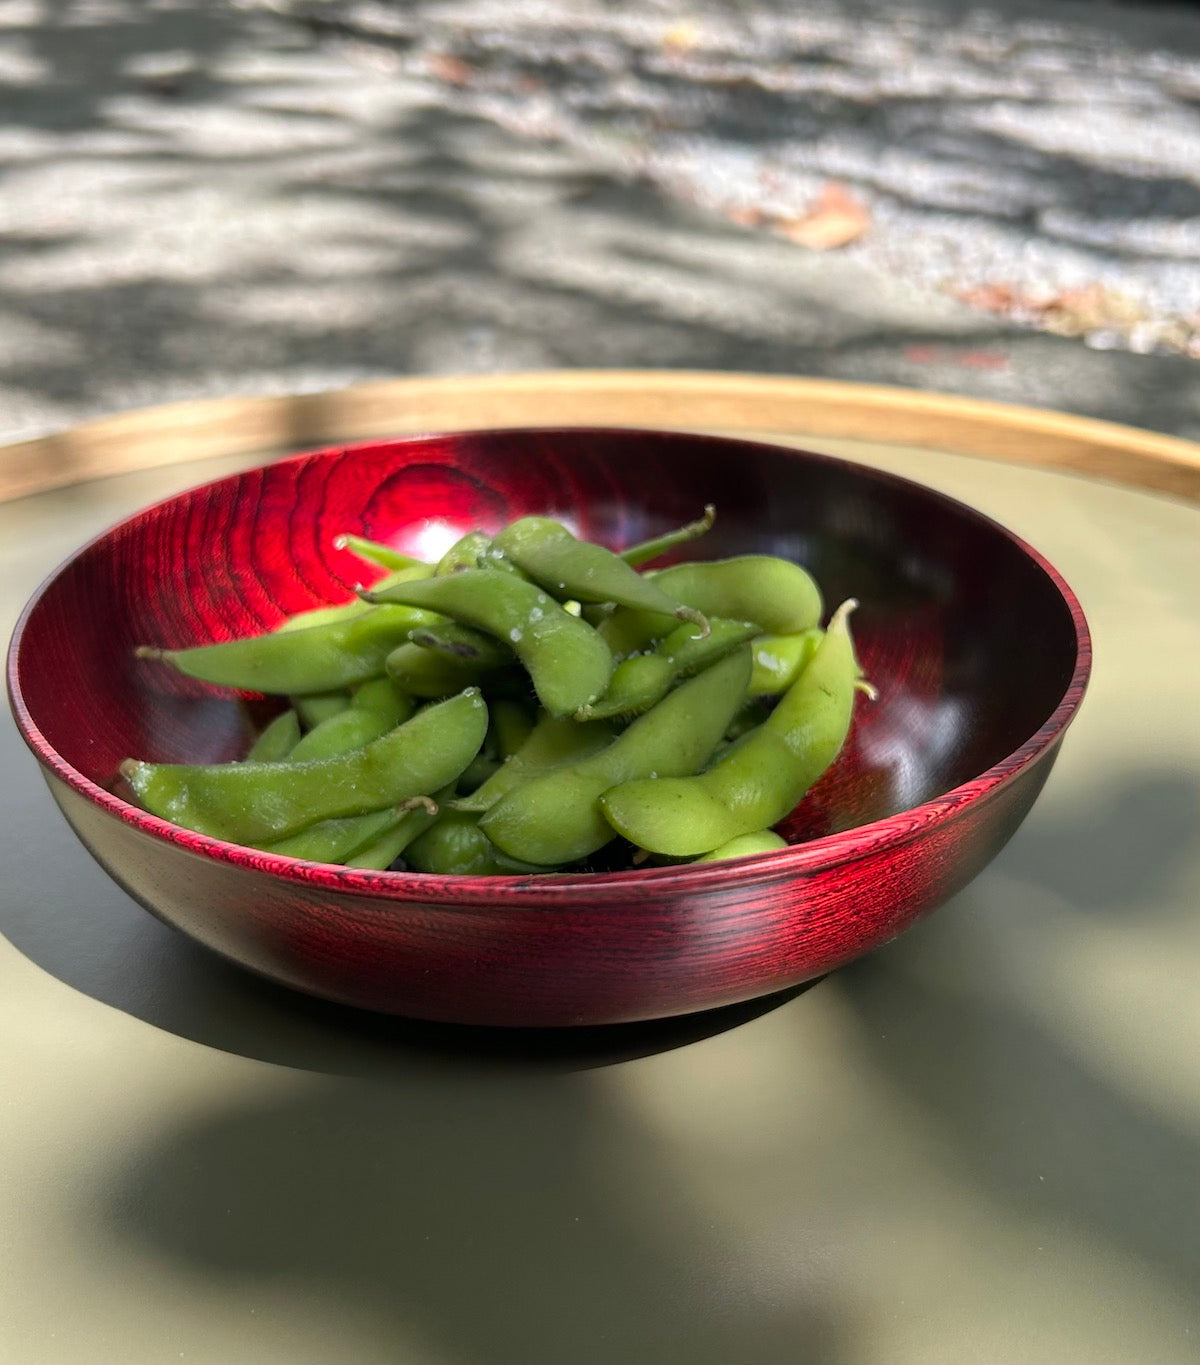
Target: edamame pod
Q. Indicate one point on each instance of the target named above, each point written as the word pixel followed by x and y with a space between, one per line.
pixel 462 643
pixel 348 729
pixel 383 850
pixel 568 663
pixel 758 781
pixel 554 742
pixel 313 709
pixel 568 568
pixel 508 728
pixel 426 673
pixel 277 739
pixel 780 659
pixel 382 697
pixel 454 845
pixel 477 772
pixel 344 651
pixel 470 552
pixel 640 681
pixel 321 616
pixel 761 841
pixel 253 803
pixel 465 553
pixel 778 596
pixel 511 725
pixel 333 841
pixel 377 707
pixel 556 818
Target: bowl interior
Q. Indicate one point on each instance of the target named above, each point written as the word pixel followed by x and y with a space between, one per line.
pixel 966 635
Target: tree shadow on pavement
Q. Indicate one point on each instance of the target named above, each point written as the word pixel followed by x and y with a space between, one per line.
pixel 280 211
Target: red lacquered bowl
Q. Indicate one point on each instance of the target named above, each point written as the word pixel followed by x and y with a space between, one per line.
pixel 979 650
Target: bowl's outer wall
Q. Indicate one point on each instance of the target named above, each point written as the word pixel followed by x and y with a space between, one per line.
pixel 971 641
pixel 542 965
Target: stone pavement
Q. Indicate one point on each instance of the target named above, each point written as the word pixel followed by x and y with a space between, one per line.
pixel 214 198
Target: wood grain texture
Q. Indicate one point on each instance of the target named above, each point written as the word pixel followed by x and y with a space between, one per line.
pixel 679 400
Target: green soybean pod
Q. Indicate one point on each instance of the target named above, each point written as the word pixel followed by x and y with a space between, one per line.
pixel 778 596
pixel 462 643
pixel 780 659
pixel 554 742
pixel 744 845
pixel 385 848
pixel 427 673
pixel 253 803
pixel 343 611
pixel 454 845
pixel 568 663
pixel 333 841
pixel 643 679
pixel 759 779
pixel 508 728
pixel 381 707
pixel 577 569
pixel 556 818
pixel 322 616
pixel 313 709
pixel 348 729
pixel 277 740
pixel 465 553
pixel 382 697
pixel 321 658
pixel 511 725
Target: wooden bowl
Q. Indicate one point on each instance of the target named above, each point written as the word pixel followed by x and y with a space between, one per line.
pixel 978 648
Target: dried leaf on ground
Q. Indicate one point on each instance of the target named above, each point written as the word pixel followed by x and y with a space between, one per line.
pixel 996 297
pixel 1069 312
pixel 836 219
pixel 452 70
pixel 1074 312
pixel 746 216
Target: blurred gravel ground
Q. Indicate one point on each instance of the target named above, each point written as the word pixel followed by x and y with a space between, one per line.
pixel 202 198
pixel 1043 160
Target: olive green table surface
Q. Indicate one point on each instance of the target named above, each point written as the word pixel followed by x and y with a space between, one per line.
pixel 981 1144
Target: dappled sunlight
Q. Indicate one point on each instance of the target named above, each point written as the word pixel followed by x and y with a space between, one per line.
pixel 203 199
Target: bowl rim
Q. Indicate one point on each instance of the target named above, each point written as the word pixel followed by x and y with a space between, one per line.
pixel 630 885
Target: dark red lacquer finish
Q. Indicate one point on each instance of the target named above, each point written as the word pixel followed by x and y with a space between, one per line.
pixel 979 650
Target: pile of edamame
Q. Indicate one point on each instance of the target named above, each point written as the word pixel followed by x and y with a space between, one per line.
pixel 523 704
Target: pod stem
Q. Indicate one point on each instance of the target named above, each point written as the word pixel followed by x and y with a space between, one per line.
pixel 697 618
pixel 374 553
pixel 840 620
pixel 150 652
pixel 651 549
pixel 425 803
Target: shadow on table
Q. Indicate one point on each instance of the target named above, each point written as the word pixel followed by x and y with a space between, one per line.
pixel 1025 1100
pixel 1027 1120
pixel 536 1214
pixel 516 1218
